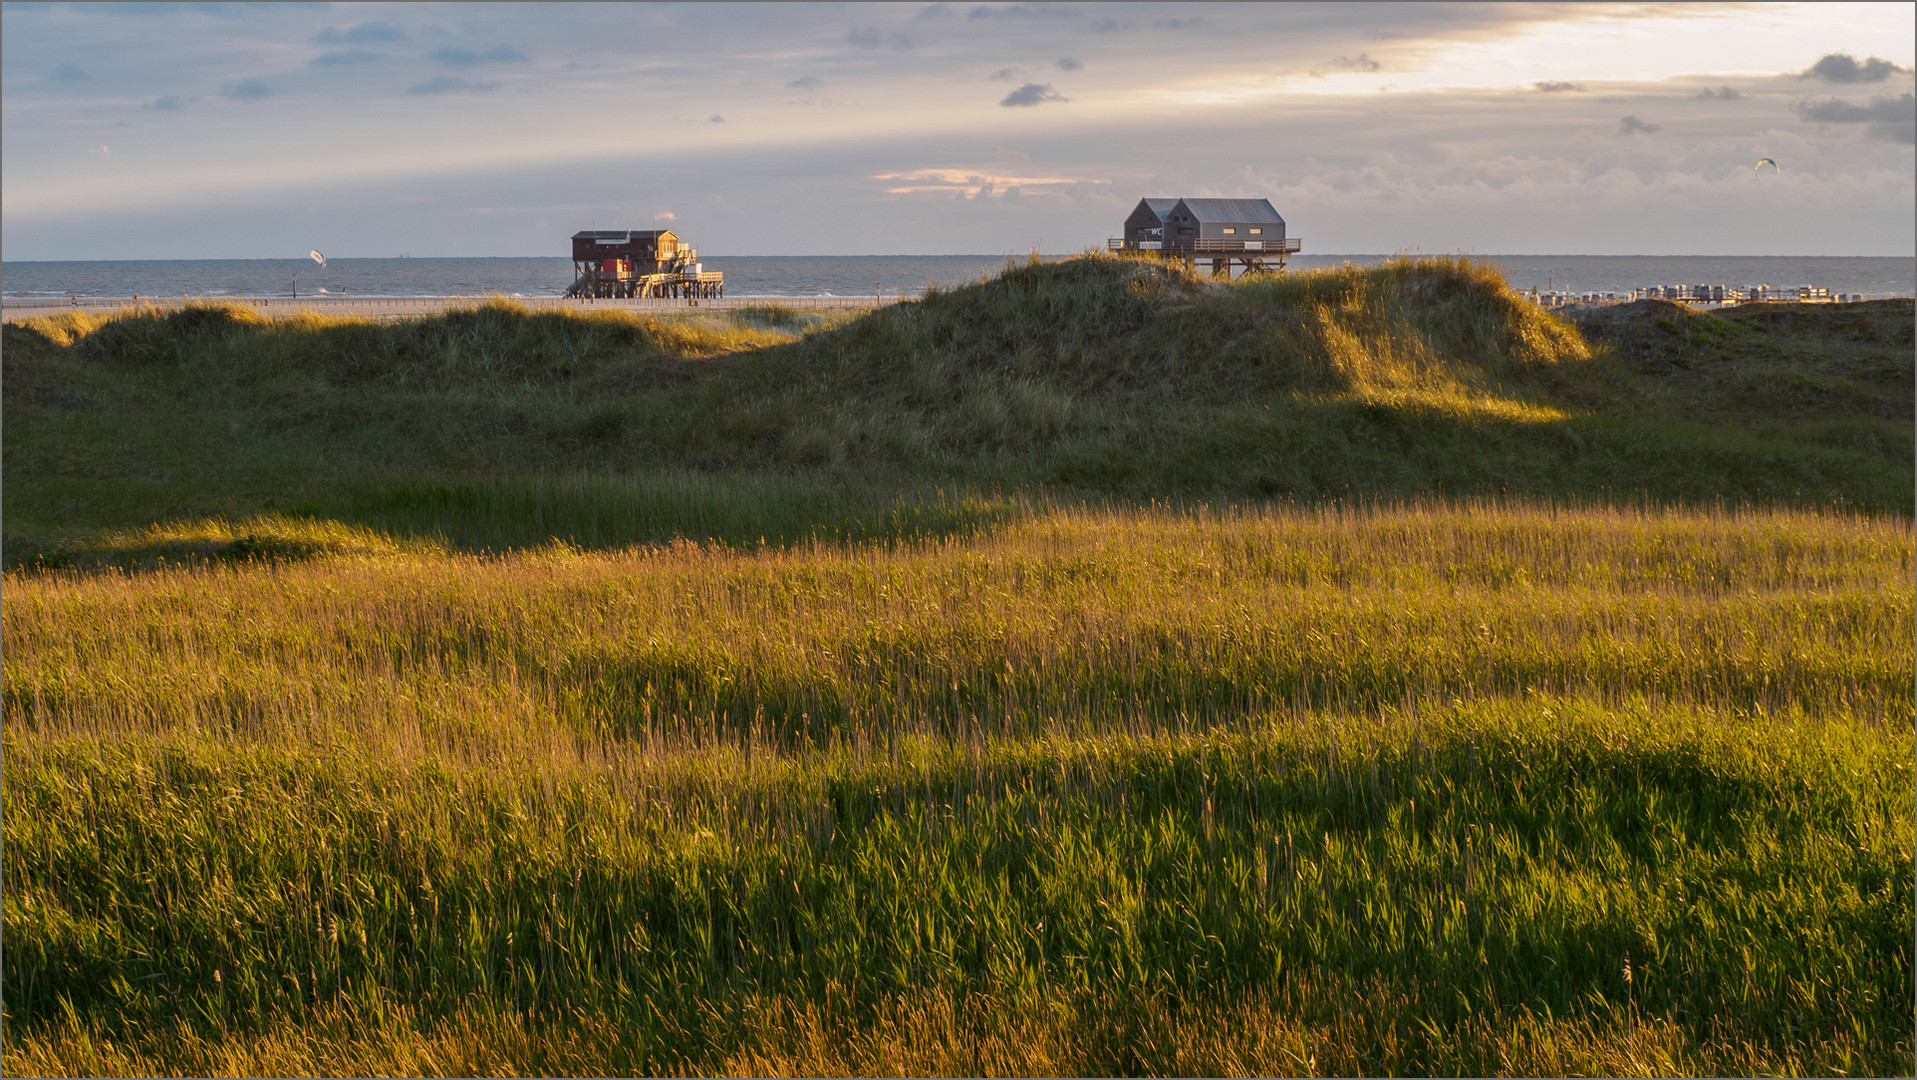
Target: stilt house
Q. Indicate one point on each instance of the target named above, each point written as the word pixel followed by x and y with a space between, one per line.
pixel 622 264
pixel 1226 231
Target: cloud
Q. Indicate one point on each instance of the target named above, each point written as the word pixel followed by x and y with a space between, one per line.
pixel 1559 87
pixel 805 82
pixel 1066 63
pixel 1004 74
pixel 366 33
pixel 70 72
pixel 975 182
pixel 1180 24
pixel 1721 93
pixel 464 58
pixel 1844 68
pixel 665 215
pixel 870 37
pixel 347 56
pixel 1105 26
pixel 165 103
pixel 1631 125
pixel 1024 11
pixel 446 84
pixel 1032 94
pixel 1361 61
pixel 249 90
pixel 935 11
pixel 715 118
pixel 1890 119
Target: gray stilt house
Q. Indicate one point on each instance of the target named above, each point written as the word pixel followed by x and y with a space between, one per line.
pixel 1225 231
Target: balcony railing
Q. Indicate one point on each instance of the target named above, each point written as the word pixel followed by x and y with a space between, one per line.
pixel 1230 245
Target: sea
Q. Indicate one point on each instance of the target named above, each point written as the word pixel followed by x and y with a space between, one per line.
pixel 887 276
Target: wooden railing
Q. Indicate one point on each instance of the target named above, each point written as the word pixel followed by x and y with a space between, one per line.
pixel 1231 245
pixel 1222 245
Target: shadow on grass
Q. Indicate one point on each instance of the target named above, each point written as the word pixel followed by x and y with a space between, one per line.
pixel 264 538
pixel 598 512
pixel 507 514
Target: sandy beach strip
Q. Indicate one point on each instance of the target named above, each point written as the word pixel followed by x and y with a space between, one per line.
pixel 17 309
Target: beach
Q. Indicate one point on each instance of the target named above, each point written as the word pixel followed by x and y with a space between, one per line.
pixel 20 310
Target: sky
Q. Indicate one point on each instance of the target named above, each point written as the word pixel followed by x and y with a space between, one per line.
pixel 144 131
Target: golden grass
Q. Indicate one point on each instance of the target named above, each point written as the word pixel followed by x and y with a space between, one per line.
pixel 1079 619
pixel 934 1033
pixel 1497 787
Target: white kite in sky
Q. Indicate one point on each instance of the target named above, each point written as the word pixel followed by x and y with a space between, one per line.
pixel 317 257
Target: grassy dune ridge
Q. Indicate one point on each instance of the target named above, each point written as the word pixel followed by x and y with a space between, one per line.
pixel 1092 378
pixel 944 690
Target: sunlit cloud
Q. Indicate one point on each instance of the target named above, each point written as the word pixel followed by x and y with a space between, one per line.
pixel 972 183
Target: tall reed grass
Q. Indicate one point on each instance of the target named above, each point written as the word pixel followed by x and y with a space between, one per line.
pixel 1491 787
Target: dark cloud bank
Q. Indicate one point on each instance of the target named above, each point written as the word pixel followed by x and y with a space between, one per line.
pixel 1845 68
pixel 1891 119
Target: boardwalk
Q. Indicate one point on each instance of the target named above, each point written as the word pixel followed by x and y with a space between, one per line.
pixel 15 309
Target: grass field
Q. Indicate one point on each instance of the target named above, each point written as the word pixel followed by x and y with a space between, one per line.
pixel 1357 673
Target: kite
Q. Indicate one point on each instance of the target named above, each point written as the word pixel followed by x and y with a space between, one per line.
pixel 1763 161
pixel 321 259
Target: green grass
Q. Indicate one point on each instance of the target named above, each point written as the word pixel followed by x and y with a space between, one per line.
pixel 1094 378
pixel 1088 671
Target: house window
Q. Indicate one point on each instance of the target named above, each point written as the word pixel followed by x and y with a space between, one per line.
pixel 1257 232
pixel 1231 232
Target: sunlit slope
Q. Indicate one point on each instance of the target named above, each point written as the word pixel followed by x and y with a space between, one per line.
pixel 1095 375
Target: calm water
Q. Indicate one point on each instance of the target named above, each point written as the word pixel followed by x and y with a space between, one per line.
pixel 862 275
